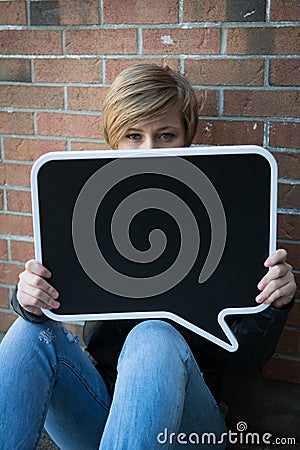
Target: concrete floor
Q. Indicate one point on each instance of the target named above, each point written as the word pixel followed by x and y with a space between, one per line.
pixel 46 443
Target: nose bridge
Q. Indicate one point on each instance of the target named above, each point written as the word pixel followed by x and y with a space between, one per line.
pixel 149 141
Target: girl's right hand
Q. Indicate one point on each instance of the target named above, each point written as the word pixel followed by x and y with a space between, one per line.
pixel 34 292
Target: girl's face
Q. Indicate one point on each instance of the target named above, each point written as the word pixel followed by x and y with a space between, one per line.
pixel 168 132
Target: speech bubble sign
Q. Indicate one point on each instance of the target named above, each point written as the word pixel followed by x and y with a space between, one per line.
pixel 180 234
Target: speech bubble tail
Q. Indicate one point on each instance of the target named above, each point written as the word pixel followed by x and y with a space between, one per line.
pixel 233 346
pixel 230 344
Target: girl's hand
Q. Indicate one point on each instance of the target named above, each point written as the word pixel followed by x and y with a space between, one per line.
pixel 34 292
pixel 278 286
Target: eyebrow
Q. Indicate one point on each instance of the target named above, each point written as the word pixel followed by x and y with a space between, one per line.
pixel 167 127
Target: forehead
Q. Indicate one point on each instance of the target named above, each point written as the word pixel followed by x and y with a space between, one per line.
pixel 169 119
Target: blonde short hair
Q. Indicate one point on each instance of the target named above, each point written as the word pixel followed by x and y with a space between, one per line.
pixel 144 93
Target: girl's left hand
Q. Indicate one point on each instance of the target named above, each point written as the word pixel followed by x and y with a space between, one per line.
pixel 278 286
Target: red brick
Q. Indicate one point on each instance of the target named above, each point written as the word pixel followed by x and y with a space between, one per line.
pixel 86 98
pixel 222 132
pixel 3 249
pixel 6 320
pixel 1 199
pixel 31 97
pixel 15 174
pixel 15 69
pixel 208 102
pixel 4 298
pixel 30 42
pixel 224 72
pixel 64 12
pixel 204 11
pixel 16 123
pixel 67 70
pixel 12 13
pixel 88 146
pixel 16 225
pixel 287 10
pixel 288 164
pixel 72 12
pixel 69 125
pixel 19 201
pixel 101 42
pixel 202 41
pixel 137 12
pixel 115 66
pixel 288 226
pixel 21 251
pixel 30 149
pixel 262 103
pixel 289 196
pixel 281 368
pixel 9 273
pixel 285 72
pixel 293 250
pixel 294 315
pixel 289 342
pixel 285 134
pixel 263 41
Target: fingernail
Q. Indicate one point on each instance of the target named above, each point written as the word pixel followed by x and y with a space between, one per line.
pixel 55 294
pixel 259 299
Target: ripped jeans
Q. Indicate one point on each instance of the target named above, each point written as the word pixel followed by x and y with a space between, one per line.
pixel 47 380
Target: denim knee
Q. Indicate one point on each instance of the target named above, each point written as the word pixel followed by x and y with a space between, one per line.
pixel 155 339
pixel 24 330
pixel 24 336
pixel 153 332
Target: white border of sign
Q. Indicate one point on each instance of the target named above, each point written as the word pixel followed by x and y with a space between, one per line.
pixel 221 150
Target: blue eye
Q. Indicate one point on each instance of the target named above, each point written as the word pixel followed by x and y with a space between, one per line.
pixel 166 136
pixel 133 136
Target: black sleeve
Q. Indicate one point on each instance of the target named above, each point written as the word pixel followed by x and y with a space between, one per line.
pixel 23 313
pixel 257 336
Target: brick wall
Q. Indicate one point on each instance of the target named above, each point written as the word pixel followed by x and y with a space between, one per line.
pixel 57 59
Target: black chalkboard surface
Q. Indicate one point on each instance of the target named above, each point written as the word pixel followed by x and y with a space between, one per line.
pixel 179 233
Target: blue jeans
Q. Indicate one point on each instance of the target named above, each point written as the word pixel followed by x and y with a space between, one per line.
pixel 47 380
